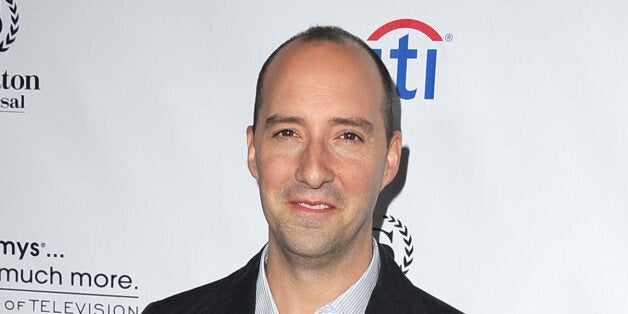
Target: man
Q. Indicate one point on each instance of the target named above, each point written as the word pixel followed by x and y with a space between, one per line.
pixel 321 147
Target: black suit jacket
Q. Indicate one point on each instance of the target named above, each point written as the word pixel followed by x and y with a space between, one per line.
pixel 394 293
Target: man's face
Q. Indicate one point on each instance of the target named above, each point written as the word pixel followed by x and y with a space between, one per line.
pixel 319 151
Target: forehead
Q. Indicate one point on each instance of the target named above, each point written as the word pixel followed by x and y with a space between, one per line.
pixel 322 71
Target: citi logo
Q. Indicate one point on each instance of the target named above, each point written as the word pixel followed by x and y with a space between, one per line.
pixel 413 65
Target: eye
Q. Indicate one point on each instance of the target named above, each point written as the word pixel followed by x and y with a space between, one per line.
pixel 285 133
pixel 350 136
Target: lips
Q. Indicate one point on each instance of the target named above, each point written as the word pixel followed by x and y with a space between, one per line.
pixel 312 206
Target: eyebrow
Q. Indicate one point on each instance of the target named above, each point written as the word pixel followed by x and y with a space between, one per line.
pixel 277 119
pixel 361 123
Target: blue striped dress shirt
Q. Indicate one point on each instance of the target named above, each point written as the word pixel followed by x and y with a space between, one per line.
pixel 353 300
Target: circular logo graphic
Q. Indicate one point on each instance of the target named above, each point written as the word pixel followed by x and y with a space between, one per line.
pixel 396 236
pixel 8 23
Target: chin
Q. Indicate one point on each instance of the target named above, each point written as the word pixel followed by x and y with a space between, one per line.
pixel 310 245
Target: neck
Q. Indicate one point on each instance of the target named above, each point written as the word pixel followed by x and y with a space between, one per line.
pixel 304 284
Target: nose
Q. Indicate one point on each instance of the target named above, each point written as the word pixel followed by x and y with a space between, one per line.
pixel 314 168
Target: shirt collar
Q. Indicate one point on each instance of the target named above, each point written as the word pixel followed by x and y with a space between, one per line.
pixel 264 302
pixel 353 300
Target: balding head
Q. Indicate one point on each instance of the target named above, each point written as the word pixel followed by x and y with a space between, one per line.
pixel 331 34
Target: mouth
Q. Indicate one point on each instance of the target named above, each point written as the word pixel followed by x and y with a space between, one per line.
pixel 315 207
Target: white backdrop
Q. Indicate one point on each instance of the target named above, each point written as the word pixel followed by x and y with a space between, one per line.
pixel 130 157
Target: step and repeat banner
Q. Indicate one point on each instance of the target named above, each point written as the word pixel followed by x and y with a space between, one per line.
pixel 123 175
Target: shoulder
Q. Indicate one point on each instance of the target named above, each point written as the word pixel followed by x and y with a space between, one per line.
pixel 234 293
pixel 394 291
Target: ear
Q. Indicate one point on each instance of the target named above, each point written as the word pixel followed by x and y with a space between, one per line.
pixel 251 161
pixel 393 156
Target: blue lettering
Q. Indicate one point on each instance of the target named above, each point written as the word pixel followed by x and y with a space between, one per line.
pixel 402 54
pixel 430 74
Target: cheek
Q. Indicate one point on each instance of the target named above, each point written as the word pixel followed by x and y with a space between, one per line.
pixel 274 169
pixel 360 176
